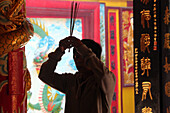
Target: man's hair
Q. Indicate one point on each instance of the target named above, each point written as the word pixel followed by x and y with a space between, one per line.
pixel 94 46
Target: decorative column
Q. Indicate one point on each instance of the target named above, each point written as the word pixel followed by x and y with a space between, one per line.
pixel 15 31
pixel 151 56
pixel 165 54
pixel 12 83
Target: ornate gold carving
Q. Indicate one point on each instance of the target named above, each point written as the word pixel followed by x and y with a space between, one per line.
pixel 11 16
pixel 3 65
pixel 146 86
pixel 167 89
pixel 145 65
pixel 15 29
pixel 128 48
pixel 28 80
pixel 147 110
pixel 16 39
pixel 38 23
pixel 125 33
pixel 125 17
pixel 27 77
pixel 2 84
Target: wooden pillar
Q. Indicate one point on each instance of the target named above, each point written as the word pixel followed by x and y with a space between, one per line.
pixel 152 56
pixel 165 56
pixel 12 83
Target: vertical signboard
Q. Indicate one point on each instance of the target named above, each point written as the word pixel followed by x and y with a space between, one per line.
pixel 165 37
pixel 147 56
pixel 113 55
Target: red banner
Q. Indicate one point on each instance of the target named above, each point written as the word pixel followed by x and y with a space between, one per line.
pixel 12 84
pixel 113 61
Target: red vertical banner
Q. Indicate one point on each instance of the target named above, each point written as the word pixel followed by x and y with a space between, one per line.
pixel 113 55
pixel 12 83
pixel 15 73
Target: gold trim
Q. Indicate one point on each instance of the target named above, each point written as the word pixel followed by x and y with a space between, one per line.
pixel 167 89
pixel 3 84
pixel 39 24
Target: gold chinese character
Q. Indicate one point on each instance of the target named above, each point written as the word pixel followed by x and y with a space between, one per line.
pixel 145 42
pixel 145 65
pixel 145 15
pixel 144 1
pixel 167 89
pixel 166 66
pixel 146 86
pixel 167 41
pixel 166 18
pixel 146 110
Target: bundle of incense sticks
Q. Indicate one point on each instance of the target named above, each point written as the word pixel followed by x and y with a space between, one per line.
pixel 74 11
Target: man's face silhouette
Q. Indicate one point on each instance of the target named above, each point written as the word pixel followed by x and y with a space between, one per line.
pixel 79 61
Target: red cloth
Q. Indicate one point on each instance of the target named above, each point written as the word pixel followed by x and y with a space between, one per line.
pixel 13 92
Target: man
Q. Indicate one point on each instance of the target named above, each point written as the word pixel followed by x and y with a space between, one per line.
pixel 91 89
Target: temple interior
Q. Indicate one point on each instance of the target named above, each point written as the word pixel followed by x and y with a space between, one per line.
pixel 46 22
pixel 108 22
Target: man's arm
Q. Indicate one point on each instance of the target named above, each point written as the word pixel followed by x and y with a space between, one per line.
pixel 105 77
pixel 47 75
pixel 58 81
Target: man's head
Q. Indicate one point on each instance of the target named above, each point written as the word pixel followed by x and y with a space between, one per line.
pixel 95 47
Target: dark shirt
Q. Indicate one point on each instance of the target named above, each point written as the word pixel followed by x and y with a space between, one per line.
pixel 83 95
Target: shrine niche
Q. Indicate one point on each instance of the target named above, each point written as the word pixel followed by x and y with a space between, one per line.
pixel 51 23
pixel 15 32
pixel 113 54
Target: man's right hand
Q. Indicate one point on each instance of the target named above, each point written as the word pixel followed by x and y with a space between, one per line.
pixel 65 43
pixel 69 42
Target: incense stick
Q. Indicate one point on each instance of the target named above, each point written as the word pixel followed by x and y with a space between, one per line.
pixel 72 4
pixel 73 13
